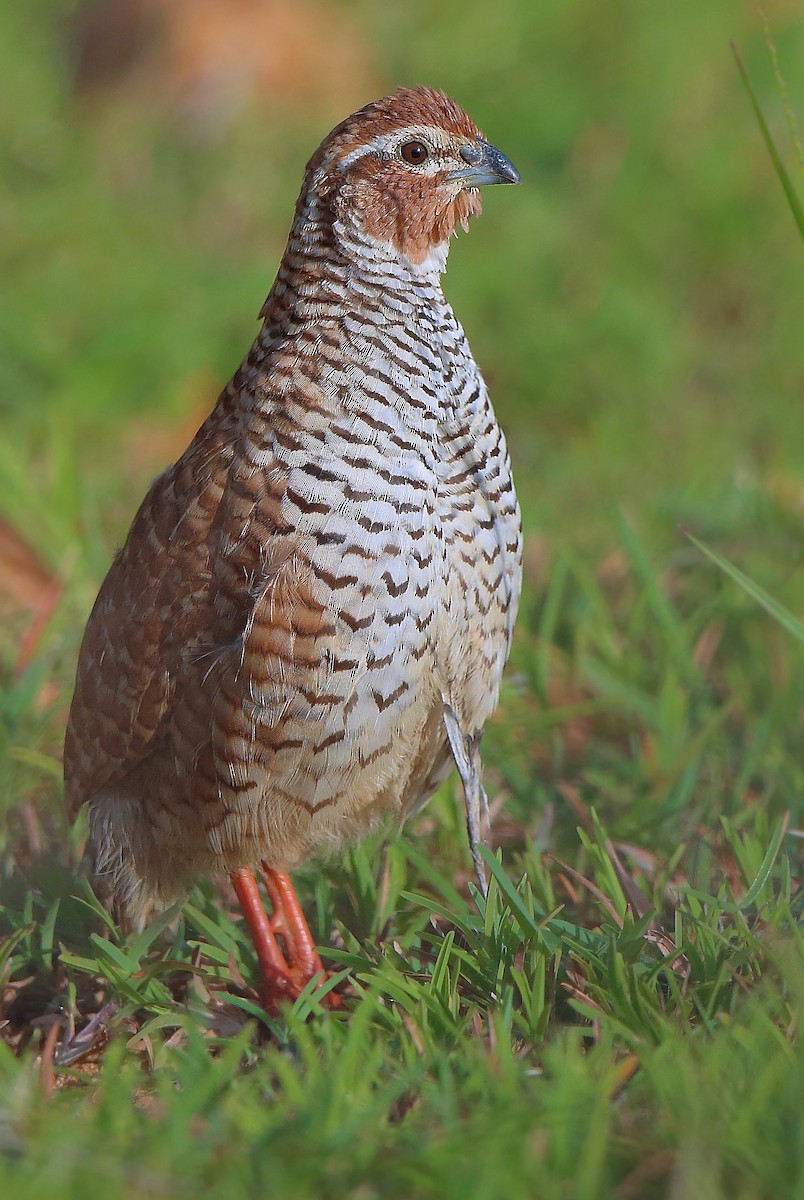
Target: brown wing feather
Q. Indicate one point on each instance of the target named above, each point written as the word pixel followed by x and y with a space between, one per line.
pixel 151 611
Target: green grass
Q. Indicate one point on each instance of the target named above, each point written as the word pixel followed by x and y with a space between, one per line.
pixel 487 1046
pixel 619 1017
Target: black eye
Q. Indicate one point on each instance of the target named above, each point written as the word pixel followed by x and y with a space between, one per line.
pixel 414 153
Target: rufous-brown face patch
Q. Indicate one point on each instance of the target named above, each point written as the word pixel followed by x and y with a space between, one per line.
pixel 412 213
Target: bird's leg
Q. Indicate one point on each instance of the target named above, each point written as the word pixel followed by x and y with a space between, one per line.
pixel 277 977
pixel 286 973
pixel 466 752
pixel 288 920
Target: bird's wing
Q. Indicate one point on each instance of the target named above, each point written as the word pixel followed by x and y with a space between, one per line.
pixel 152 609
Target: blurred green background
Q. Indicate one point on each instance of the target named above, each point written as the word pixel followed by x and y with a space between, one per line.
pixel 636 305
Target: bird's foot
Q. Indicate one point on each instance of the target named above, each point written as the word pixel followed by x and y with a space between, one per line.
pixel 285 972
pixel 466 752
pixel 290 924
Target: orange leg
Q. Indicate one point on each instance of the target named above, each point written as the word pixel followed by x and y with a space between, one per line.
pixel 288 920
pixel 284 975
pixel 276 980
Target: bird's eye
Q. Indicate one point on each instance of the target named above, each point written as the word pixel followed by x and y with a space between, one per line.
pixel 414 153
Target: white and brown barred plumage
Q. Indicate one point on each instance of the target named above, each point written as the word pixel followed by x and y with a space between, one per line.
pixel 334 562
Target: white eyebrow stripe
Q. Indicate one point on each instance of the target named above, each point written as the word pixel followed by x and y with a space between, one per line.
pixel 387 142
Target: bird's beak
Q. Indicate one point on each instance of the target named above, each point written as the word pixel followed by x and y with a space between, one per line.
pixel 484 164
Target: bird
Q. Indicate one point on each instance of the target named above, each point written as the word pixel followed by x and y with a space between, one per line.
pixel 307 625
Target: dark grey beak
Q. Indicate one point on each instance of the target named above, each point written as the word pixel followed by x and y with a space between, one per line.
pixel 484 164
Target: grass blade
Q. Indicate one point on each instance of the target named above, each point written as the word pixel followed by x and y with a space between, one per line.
pixel 781 171
pixel 779 613
pixel 766 866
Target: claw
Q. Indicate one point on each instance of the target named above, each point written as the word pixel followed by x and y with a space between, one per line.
pixel 74 1046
